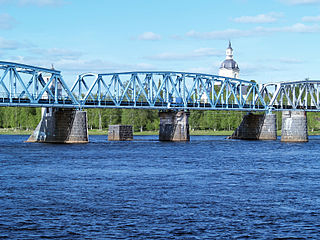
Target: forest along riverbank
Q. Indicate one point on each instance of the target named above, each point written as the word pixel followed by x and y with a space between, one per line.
pixel 15 120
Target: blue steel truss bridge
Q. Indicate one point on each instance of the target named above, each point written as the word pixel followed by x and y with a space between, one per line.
pixel 29 86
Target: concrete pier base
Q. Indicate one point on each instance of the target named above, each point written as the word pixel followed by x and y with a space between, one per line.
pixel 294 126
pixel 257 127
pixel 174 126
pixel 61 126
pixel 120 133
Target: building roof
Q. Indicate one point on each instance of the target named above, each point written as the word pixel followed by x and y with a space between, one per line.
pixel 229 64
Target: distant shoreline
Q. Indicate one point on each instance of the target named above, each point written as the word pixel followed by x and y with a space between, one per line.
pixel 10 131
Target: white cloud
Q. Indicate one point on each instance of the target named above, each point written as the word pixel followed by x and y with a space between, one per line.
pixel 197 53
pixel 177 37
pixel 228 33
pixel 77 66
pixel 10 44
pixel 311 19
pixel 290 60
pixel 298 28
pixel 149 36
pixel 6 21
pixel 237 33
pixel 42 3
pixel 300 2
pixel 261 18
pixel 57 54
pixel 254 69
pixel 205 70
pixel 39 3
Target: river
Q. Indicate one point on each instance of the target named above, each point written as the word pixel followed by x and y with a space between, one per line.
pixel 208 188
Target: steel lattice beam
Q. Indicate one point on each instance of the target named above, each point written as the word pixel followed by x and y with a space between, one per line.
pixel 295 95
pixel 167 90
pixel 30 86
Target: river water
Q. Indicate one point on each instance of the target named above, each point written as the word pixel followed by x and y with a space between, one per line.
pixel 208 188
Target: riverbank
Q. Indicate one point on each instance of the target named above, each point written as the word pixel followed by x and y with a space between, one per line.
pixel 10 131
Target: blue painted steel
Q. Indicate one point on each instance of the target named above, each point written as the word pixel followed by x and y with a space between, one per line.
pixel 29 86
pixel 167 90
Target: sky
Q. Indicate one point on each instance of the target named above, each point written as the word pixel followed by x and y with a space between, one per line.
pixel 273 40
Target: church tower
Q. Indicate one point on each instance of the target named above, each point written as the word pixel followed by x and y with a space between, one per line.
pixel 229 67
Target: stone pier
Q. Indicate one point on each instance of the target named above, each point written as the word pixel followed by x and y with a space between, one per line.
pixel 120 133
pixel 61 126
pixel 294 126
pixel 174 126
pixel 257 127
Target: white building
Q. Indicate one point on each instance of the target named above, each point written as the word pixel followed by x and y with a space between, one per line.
pixel 229 67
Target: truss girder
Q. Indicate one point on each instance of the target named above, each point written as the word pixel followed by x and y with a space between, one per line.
pixel 24 85
pixel 295 95
pixel 167 90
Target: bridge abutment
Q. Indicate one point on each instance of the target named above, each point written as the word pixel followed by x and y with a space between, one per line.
pixel 294 126
pixel 174 126
pixel 61 126
pixel 120 133
pixel 257 127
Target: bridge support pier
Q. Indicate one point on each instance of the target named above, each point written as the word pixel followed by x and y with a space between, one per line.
pixel 61 126
pixel 174 126
pixel 294 126
pixel 120 133
pixel 257 127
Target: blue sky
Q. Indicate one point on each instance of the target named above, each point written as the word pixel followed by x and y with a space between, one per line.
pixel 273 40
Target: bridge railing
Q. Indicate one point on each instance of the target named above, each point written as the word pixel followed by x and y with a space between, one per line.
pixel 167 90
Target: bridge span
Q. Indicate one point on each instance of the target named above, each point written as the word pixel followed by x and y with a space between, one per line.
pixel 30 86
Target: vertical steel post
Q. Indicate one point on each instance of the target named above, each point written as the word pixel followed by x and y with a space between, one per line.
pixel 253 95
pixel 11 83
pixel 167 88
pixel 151 88
pixel 80 79
pixel 240 93
pixel 227 93
pixel 99 91
pixel 317 85
pixel 55 89
pixel 184 91
pixel 117 89
pixel 35 85
pixel 294 95
pixel 134 89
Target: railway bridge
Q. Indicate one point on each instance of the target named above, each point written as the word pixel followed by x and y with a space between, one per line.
pixel 174 94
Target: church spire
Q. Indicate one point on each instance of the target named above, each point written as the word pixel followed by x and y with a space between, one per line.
pixel 229 67
pixel 229 51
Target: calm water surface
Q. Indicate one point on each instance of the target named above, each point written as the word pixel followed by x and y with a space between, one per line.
pixel 208 188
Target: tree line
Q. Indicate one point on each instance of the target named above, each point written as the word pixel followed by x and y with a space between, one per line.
pixel 142 120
